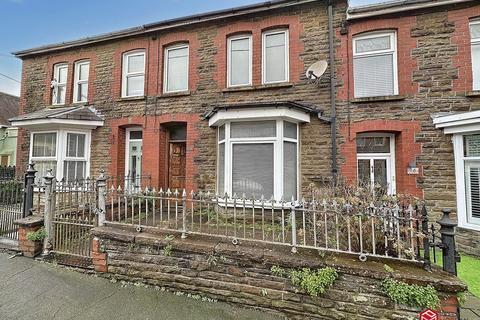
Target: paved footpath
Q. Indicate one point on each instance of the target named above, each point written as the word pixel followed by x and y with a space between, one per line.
pixel 34 290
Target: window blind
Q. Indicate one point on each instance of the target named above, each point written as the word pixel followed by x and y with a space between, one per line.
pixel 252 169
pixel 240 61
pixel 275 57
pixel 374 75
pixel 255 129
pixel 474 192
pixel 289 171
pixel 177 69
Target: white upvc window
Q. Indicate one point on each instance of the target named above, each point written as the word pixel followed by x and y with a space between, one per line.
pixel 176 68
pixel 133 74
pixel 376 161
pixel 60 75
pixel 275 56
pixel 375 65
pixel 80 85
pixel 258 158
pixel 66 152
pixel 475 37
pixel 239 61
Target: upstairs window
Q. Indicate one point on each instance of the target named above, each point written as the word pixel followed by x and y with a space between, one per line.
pixel 133 74
pixel 60 72
pixel 475 36
pixel 375 65
pixel 176 69
pixel 239 69
pixel 80 89
pixel 275 57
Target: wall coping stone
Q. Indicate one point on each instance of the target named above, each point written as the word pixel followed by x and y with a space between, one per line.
pixel 271 254
pixel 30 221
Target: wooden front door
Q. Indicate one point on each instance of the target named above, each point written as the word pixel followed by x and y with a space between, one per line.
pixel 177 165
pixel 4 161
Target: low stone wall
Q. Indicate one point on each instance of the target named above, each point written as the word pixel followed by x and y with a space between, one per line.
pixel 241 275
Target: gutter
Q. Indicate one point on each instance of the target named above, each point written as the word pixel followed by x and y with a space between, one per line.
pixel 163 25
pixel 397 7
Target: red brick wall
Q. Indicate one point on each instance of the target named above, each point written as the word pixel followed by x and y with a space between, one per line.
pixel 405 44
pixel 70 59
pixel 463 60
pixel 406 150
pixel 155 149
pixel 255 28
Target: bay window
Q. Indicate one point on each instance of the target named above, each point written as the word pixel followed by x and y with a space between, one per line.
pixel 60 72
pixel 65 152
pixel 176 69
pixel 239 61
pixel 133 74
pixel 80 86
pixel 258 158
pixel 375 65
pixel 275 59
pixel 475 38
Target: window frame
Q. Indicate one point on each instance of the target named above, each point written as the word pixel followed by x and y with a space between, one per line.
pixel 463 197
pixel 77 81
pixel 278 156
pixel 389 157
pixel 61 150
pixel 166 64
pixel 127 146
pixel 126 74
pixel 250 59
pixel 56 70
pixel 393 51
pixel 287 55
pixel 474 42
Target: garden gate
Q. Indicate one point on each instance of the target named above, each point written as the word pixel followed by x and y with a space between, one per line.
pixel 71 206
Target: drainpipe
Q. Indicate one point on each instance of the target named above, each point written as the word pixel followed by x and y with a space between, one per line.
pixel 333 109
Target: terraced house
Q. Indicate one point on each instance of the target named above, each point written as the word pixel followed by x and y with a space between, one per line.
pixel 221 101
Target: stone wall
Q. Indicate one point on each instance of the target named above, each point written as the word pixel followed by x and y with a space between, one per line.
pixel 241 275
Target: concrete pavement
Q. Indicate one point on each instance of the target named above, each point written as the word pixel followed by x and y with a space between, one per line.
pixel 34 290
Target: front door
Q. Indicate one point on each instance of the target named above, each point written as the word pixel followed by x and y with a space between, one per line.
pixel 177 165
pixel 134 160
pixel 4 161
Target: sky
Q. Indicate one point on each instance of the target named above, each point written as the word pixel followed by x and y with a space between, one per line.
pixel 29 23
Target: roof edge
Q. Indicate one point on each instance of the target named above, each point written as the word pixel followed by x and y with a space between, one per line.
pixel 162 25
pixel 397 6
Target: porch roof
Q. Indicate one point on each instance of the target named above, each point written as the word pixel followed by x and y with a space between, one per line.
pixel 307 108
pixel 78 116
pixel 459 122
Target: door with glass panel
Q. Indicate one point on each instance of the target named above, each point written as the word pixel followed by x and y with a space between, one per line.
pixel 376 162
pixel 133 163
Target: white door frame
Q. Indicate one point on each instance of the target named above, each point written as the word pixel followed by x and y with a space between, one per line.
pixel 389 157
pixel 127 147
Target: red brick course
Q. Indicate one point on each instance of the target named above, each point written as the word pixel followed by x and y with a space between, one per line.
pixel 406 150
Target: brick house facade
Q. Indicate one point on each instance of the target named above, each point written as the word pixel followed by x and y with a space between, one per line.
pixel 433 74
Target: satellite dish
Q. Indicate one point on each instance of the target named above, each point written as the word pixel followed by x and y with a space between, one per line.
pixel 316 70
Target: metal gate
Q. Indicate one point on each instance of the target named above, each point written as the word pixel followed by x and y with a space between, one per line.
pixel 11 209
pixel 74 215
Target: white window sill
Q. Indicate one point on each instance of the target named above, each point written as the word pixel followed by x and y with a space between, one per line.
pixel 469 226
